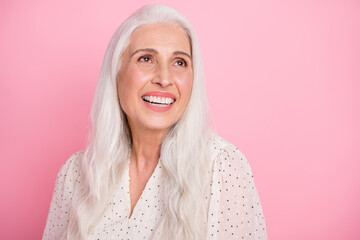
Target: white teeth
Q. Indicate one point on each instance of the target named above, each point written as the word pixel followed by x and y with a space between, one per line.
pixel 158 100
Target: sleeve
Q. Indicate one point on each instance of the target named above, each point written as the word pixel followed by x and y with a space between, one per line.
pixel 60 206
pixel 235 209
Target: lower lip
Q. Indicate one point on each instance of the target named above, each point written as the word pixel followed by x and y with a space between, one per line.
pixel 158 109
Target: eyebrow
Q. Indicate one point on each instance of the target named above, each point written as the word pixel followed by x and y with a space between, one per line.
pixel 156 52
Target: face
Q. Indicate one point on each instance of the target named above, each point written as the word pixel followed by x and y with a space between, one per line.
pixel 156 77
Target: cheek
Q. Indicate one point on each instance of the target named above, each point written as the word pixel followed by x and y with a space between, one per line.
pixel 185 83
pixel 135 77
pixel 131 82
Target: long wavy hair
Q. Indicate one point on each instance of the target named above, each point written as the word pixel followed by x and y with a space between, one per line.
pixel 184 153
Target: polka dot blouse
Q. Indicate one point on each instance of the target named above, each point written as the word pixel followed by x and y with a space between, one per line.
pixel 234 209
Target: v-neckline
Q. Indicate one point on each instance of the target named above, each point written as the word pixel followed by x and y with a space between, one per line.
pixel 127 182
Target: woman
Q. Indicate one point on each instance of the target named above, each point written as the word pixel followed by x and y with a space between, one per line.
pixel 153 169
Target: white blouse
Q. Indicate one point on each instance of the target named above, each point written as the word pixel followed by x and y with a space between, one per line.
pixel 234 206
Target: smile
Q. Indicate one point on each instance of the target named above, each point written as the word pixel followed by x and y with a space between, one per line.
pixel 158 101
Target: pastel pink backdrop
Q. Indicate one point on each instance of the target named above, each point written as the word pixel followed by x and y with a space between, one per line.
pixel 283 85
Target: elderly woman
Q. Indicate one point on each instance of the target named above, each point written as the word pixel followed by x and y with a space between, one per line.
pixel 153 168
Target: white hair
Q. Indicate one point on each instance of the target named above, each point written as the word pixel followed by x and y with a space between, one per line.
pixel 183 151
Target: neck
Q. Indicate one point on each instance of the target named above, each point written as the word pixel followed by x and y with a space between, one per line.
pixel 146 144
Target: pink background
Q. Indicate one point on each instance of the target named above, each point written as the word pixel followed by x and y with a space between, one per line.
pixel 283 80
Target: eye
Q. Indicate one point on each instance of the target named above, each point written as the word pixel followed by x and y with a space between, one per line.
pixel 181 63
pixel 146 58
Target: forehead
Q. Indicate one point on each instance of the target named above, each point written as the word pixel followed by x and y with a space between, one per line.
pixel 160 35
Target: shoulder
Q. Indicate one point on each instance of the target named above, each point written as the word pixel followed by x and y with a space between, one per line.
pixel 66 182
pixel 69 174
pixel 234 199
pixel 219 147
pixel 226 157
pixel 72 165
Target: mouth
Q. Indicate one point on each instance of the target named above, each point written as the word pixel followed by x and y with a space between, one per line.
pixel 158 101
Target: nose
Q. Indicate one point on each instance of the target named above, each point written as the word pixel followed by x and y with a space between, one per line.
pixel 163 76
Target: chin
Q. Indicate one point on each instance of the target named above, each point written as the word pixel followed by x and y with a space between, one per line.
pixel 158 126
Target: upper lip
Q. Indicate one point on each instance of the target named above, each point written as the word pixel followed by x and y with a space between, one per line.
pixel 160 94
